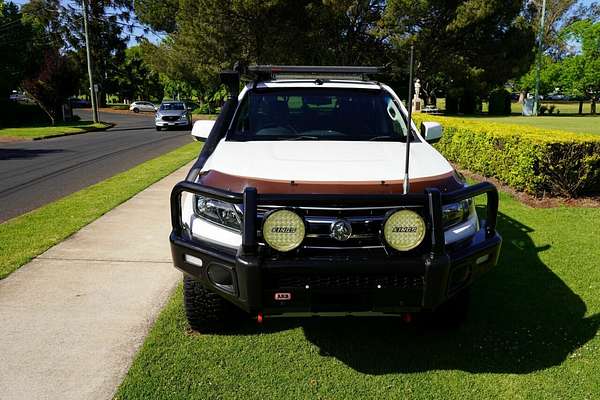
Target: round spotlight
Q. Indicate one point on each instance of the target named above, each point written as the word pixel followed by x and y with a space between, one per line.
pixel 283 230
pixel 404 230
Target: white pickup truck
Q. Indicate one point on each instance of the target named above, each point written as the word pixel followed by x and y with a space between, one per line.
pixel 298 205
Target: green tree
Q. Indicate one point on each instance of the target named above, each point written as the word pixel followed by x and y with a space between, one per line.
pixel 158 14
pixel 551 77
pixel 210 35
pixel 17 47
pixel 109 24
pixel 135 79
pixel 467 47
pixel 55 81
pixel 464 47
pixel 575 74
pixel 558 14
pixel 46 17
pixel 582 71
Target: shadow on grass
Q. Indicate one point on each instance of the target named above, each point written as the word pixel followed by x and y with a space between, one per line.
pixel 523 318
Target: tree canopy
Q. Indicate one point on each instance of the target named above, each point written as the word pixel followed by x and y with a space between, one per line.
pixel 211 35
pixel 135 80
pixel 472 44
pixel 577 73
pixel 17 45
pixel 468 47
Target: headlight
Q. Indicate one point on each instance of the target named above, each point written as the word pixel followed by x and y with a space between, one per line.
pixel 283 230
pixel 404 230
pixel 456 213
pixel 217 211
pixel 183 116
pixel 157 116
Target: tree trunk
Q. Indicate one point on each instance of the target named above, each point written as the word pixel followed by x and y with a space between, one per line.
pixel 580 107
pixel 593 106
pixel 44 109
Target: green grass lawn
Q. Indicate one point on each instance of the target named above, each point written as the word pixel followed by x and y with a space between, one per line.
pixel 570 107
pixel 29 235
pixel 532 333
pixel 204 116
pixel 39 132
pixel 118 106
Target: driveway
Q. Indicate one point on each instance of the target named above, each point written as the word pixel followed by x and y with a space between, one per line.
pixel 35 173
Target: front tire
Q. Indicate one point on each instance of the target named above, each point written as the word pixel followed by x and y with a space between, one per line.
pixel 208 312
pixel 136 110
pixel 158 128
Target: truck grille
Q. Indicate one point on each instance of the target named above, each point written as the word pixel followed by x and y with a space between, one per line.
pixel 170 118
pixel 347 281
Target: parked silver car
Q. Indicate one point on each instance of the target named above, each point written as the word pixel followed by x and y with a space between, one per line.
pixel 138 106
pixel 173 114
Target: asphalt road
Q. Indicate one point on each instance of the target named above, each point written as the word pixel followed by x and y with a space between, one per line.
pixel 35 173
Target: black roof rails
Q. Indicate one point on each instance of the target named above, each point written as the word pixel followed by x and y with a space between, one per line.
pixel 268 72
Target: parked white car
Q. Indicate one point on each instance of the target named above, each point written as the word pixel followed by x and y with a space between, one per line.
pixel 142 106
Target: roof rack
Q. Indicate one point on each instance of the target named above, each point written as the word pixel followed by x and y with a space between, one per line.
pixel 274 72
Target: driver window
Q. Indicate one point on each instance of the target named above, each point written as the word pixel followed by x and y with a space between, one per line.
pixel 396 116
pixel 243 122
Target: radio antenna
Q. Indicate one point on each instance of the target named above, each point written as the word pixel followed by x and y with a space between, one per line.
pixel 409 132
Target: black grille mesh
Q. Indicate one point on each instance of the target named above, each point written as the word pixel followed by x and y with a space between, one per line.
pixel 347 281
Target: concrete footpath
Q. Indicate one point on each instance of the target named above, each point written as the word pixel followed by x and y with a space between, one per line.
pixel 72 319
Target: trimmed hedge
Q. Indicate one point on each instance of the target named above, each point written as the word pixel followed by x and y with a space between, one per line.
pixel 15 114
pixel 537 161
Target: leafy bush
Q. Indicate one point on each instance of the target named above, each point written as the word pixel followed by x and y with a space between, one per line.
pixel 533 160
pixel 15 114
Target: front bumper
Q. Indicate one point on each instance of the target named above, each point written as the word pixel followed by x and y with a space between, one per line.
pixel 162 123
pixel 349 282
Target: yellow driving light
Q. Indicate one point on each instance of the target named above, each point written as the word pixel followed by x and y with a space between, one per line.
pixel 283 230
pixel 404 230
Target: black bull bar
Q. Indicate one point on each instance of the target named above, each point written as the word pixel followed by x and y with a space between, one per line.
pixel 431 200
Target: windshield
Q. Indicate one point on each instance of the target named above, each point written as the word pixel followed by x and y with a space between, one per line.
pixel 318 114
pixel 172 106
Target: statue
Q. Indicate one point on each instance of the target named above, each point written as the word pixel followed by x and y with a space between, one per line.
pixel 417 88
pixel 417 102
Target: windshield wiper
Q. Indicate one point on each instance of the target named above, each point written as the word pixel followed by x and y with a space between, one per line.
pixel 381 138
pixel 304 137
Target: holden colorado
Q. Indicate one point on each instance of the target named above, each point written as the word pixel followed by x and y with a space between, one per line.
pixel 299 205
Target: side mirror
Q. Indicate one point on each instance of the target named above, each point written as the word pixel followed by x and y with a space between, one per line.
pixel 431 131
pixel 202 129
